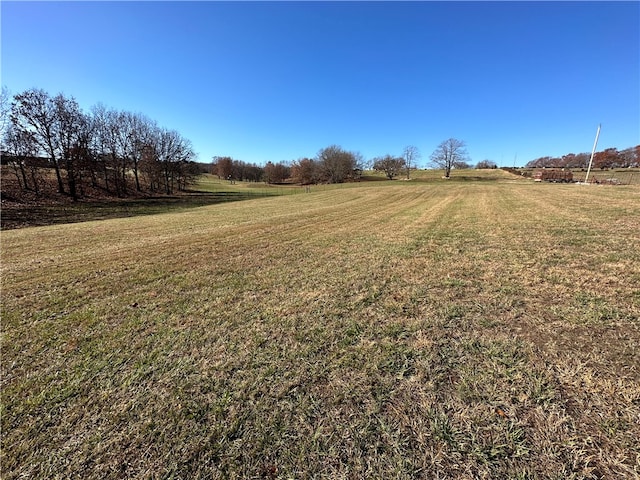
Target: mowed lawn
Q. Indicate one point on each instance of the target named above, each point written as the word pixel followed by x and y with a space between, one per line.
pixel 381 330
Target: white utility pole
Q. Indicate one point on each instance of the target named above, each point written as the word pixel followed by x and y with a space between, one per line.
pixel 592 153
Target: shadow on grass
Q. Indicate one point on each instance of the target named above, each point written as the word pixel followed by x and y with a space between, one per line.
pixel 30 215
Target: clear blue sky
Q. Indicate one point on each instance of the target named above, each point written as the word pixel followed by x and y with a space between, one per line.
pixel 281 80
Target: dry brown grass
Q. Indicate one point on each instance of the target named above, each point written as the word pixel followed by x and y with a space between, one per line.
pixel 403 330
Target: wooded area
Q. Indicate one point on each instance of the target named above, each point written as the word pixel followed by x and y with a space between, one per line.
pixel 117 151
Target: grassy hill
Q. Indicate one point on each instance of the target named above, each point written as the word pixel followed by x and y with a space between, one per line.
pixel 406 329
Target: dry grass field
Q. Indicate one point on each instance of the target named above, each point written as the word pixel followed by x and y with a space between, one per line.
pixel 396 330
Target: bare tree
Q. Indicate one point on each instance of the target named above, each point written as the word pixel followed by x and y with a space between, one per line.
pixel 135 131
pixel 336 164
pixel 71 132
pixel 359 163
pixel 461 165
pixel 276 172
pixel 172 152
pixel 411 156
pixel 486 164
pixel 448 154
pixel 150 168
pixel 253 172
pixel 21 149
pixel 103 143
pixel 58 126
pixel 390 165
pixel 629 156
pixel 34 111
pixel 223 167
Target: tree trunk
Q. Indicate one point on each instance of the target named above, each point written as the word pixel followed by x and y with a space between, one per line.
pixel 24 175
pixel 71 180
pixel 16 170
pixel 135 174
pixel 34 177
pixel 106 177
pixel 124 178
pixel 58 175
pixel 167 184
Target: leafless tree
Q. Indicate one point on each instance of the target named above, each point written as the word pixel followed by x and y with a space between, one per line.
pixel 103 143
pixel 390 165
pixel 276 172
pixel 486 164
pixel 106 143
pixel 336 164
pixel 629 157
pixel 172 152
pixel 21 149
pixel 135 132
pixel 461 165
pixel 71 129
pixel 34 111
pixel 359 163
pixel 448 154
pixel 411 156
pixel 223 166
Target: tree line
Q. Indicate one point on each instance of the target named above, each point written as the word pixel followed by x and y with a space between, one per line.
pixel 117 151
pixel 608 158
pixel 334 164
pixel 123 152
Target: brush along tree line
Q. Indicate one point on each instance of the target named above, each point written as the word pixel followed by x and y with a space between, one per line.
pixel 117 151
